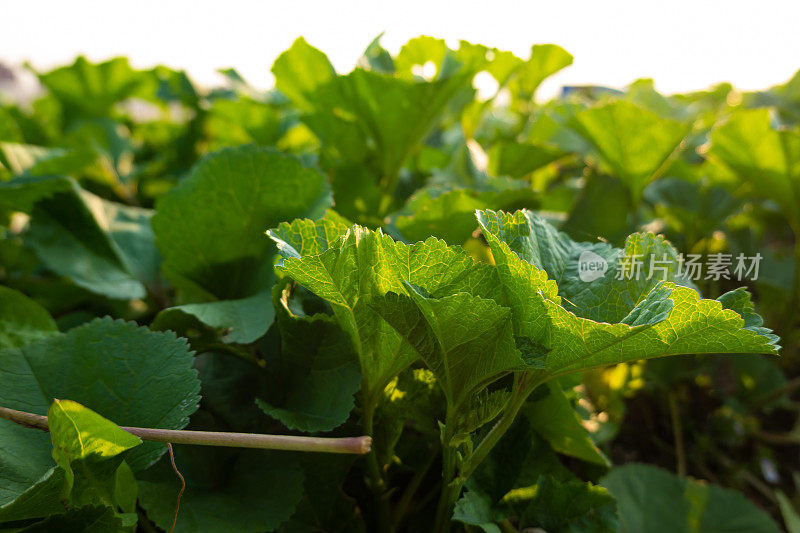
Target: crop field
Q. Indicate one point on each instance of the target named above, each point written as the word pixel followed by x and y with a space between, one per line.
pixel 412 297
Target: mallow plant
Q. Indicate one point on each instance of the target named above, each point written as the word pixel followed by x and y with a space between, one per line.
pixel 362 301
pixel 491 334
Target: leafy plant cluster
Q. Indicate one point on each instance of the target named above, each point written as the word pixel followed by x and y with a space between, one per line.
pixel 389 253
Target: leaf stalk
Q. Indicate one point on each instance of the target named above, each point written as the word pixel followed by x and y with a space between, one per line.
pixel 348 445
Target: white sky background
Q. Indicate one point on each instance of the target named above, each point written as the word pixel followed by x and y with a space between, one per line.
pixel 682 44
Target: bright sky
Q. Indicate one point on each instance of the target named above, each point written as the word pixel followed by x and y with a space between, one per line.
pixel 682 44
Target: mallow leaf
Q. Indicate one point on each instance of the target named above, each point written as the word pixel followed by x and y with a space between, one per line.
pixel 766 158
pixel 553 418
pixel 665 320
pixel 226 490
pixel 368 113
pixel 475 509
pixel 650 499
pixel 243 121
pixel 317 369
pixel 632 141
pixel 418 52
pixel 302 237
pixel 596 280
pixel 91 90
pixel 376 57
pixel 466 341
pixel 210 228
pixel 21 193
pixel 32 160
pixel 241 321
pixel 102 246
pixel 571 506
pixel 91 451
pixel 89 519
pixel 22 320
pixel 100 365
pixel 9 130
pixel 544 61
pixel 450 215
pixel 516 160
pixel 363 265
pixel 300 70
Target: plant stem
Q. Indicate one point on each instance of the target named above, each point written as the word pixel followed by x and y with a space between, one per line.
pixel 354 445
pixel 794 295
pixel 788 387
pixel 451 486
pixel 409 492
pixel 376 479
pixel 677 432
pixel 524 387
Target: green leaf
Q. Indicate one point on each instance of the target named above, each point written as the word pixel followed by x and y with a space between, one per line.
pixel 535 241
pixel 638 320
pixel 241 321
pixel 650 499
pixel 91 450
pixel 376 57
pixel 516 160
pixel 554 419
pixel 230 383
pixel 243 121
pixel 632 141
pixel 43 498
pixel 30 160
pixel 100 365
pixel 572 506
pixel 767 159
pixel 325 506
pixel 466 341
pixel 791 518
pixel 475 509
pixel 104 247
pixel 300 70
pixel 516 464
pixel 300 237
pixel 368 112
pixel 365 265
pixel 220 248
pixel 317 369
pixel 451 215
pixel 89 89
pixel 545 60
pixel 22 320
pixel 226 490
pixel 691 209
pixel 9 130
pixel 419 51
pixel 601 210
pixel 20 194
pixel 91 519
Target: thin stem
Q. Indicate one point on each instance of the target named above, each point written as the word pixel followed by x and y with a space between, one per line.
pixel 779 439
pixel 451 486
pixel 794 295
pixel 786 388
pixel 525 386
pixel 677 432
pixel 353 445
pixel 376 479
pixel 183 487
pixel 410 491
